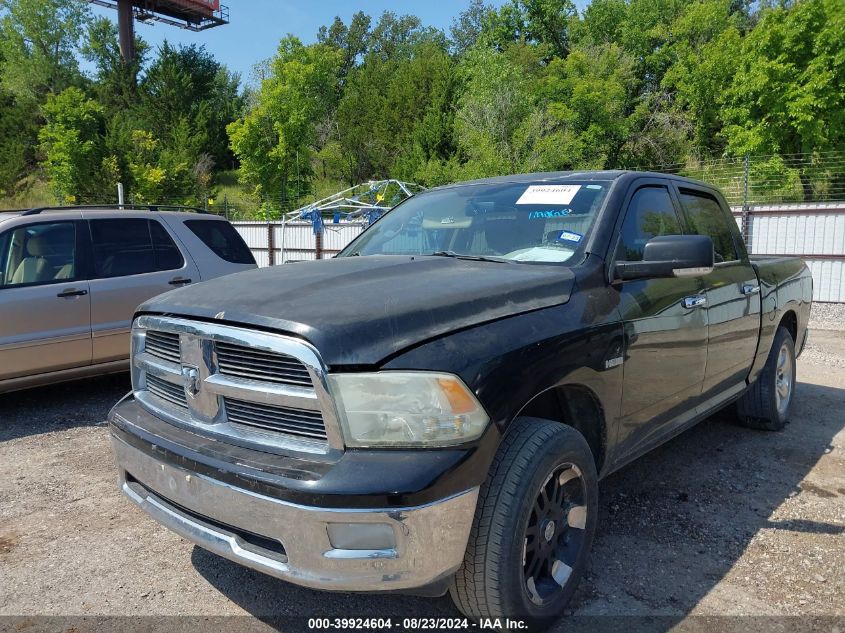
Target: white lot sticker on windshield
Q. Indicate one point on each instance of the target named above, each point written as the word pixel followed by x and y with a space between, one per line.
pixel 548 194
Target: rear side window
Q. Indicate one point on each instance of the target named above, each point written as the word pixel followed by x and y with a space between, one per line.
pixel 650 214
pixel 707 218
pixel 168 255
pixel 132 246
pixel 222 239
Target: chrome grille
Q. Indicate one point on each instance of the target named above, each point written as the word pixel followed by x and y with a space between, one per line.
pixel 167 391
pixel 299 422
pixel 254 364
pixel 164 345
pixel 258 389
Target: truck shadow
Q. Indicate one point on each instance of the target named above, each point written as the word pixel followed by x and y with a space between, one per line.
pixel 59 407
pixel 672 526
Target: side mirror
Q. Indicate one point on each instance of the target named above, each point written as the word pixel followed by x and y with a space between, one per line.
pixel 671 256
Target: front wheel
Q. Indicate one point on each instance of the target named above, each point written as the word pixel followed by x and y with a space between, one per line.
pixel 766 403
pixel 533 526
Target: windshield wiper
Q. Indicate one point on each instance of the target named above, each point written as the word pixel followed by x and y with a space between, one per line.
pixel 475 258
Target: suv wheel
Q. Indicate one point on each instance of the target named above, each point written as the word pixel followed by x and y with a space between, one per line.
pixel 533 526
pixel 766 403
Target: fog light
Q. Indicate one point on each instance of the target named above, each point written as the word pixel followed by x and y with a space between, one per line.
pixel 361 536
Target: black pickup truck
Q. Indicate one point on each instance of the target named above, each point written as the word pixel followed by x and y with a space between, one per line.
pixel 431 410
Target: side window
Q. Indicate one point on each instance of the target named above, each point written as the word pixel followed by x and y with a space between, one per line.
pixel 707 218
pixel 168 255
pixel 650 214
pixel 222 238
pixel 38 254
pixel 122 247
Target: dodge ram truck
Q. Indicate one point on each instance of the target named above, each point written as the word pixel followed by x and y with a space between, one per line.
pixel 431 410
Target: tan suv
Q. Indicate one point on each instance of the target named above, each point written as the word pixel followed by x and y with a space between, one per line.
pixel 71 278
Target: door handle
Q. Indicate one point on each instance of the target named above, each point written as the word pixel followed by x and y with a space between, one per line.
pixel 750 289
pixel 72 292
pixel 694 302
pixel 179 281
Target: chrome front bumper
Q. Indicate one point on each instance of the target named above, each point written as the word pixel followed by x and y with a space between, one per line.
pixel 292 542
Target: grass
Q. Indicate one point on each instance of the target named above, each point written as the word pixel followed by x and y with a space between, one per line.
pixel 244 206
pixel 30 192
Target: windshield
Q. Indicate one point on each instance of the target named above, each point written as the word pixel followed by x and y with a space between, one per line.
pixel 522 222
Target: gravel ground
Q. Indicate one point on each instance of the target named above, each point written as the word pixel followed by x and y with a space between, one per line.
pixel 828 316
pixel 720 521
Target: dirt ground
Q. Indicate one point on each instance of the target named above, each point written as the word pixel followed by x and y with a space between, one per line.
pixel 720 521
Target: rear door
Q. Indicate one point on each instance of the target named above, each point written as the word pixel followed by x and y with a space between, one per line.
pixel 134 259
pixel 664 325
pixel 732 291
pixel 45 303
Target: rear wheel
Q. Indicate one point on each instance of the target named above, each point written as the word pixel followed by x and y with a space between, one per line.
pixel 766 403
pixel 533 526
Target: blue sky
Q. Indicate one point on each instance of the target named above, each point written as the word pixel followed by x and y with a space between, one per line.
pixel 258 25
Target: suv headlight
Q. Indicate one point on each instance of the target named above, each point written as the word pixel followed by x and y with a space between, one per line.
pixel 406 409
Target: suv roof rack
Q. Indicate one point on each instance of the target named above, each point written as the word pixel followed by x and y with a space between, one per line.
pixel 119 207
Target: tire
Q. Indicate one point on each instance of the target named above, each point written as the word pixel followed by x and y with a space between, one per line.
pixel 539 462
pixel 766 404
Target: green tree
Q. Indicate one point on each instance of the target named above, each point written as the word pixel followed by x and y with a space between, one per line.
pixel 72 141
pixel 18 136
pixel 115 80
pixel 589 96
pixel 39 41
pixel 705 43
pixel 540 22
pixel 351 40
pixel 396 113
pixel 788 94
pixel 159 172
pixel 470 24
pixel 394 36
pixel 276 140
pixel 186 88
pixel 496 110
pixel 602 22
pixel 645 34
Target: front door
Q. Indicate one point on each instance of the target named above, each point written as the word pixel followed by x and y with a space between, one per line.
pixel 665 327
pixel 45 303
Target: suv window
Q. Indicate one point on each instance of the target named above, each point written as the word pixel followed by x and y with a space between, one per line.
pixel 132 246
pixel 707 218
pixel 168 255
pixel 222 238
pixel 650 214
pixel 38 254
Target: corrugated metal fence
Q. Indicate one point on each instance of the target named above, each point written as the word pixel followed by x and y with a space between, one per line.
pixel 815 232
pixel 273 243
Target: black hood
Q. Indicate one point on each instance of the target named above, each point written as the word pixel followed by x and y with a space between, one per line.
pixel 360 310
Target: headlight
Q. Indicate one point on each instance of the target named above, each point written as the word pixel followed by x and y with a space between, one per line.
pixel 406 409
